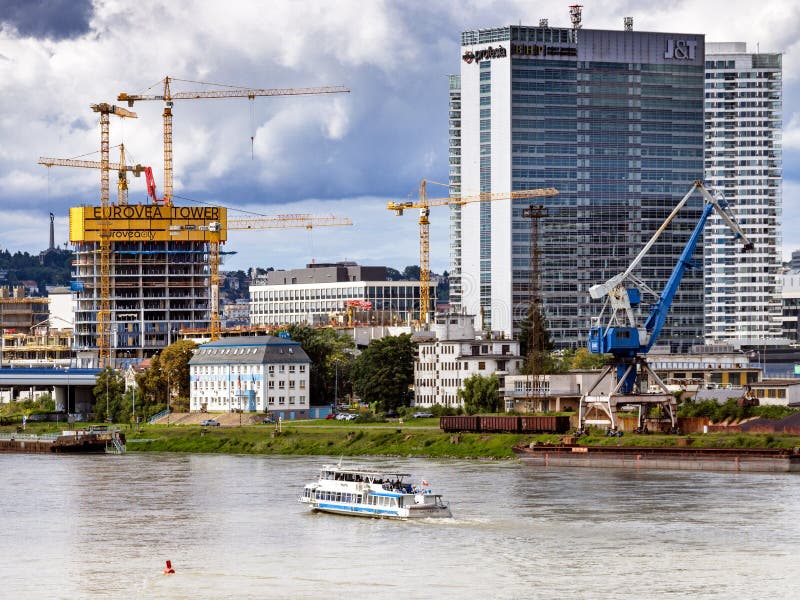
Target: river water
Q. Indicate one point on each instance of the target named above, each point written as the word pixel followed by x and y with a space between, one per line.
pixel 103 526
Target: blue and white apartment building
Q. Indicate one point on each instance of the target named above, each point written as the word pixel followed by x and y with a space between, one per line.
pixel 251 374
pixel 614 121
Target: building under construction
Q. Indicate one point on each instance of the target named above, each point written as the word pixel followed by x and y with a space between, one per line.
pixel 159 274
pixel 20 313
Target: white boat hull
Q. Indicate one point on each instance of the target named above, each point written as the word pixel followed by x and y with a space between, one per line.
pixel 354 510
pixel 360 492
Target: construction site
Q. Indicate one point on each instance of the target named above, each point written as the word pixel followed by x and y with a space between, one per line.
pixel 143 274
pixel 158 277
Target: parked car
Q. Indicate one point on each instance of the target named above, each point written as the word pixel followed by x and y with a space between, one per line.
pixel 209 423
pixel 268 419
pixel 330 415
pixel 422 415
pixel 391 414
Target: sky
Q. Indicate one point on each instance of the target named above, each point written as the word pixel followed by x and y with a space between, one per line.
pixel 345 154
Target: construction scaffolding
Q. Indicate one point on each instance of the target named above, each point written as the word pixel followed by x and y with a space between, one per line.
pixel 158 285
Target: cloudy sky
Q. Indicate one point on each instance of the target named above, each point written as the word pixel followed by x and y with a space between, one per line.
pixel 345 154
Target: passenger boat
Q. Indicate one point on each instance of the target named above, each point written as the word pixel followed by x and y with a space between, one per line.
pixel 371 493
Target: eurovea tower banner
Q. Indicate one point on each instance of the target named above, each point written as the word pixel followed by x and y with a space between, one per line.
pixel 149 223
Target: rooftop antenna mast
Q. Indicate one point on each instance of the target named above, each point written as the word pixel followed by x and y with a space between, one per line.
pixel 575 11
pixel 575 16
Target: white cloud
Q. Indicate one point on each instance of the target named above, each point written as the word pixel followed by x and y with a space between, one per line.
pixel 353 152
pixel 377 237
pixel 791 133
pixel 790 220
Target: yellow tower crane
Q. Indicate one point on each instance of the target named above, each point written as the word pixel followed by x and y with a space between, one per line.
pixel 168 97
pixel 122 168
pixel 104 314
pixel 424 205
pixel 289 221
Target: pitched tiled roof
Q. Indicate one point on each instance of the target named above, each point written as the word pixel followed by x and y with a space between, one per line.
pixel 249 350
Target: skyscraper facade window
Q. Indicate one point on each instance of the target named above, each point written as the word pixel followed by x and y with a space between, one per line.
pixel 743 162
pixel 614 121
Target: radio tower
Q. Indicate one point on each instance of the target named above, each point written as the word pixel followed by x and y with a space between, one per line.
pixel 539 342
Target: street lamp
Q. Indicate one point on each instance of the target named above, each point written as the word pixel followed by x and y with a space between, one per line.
pixel 169 400
pixel 108 376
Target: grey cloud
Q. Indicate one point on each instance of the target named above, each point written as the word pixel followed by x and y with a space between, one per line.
pixel 56 19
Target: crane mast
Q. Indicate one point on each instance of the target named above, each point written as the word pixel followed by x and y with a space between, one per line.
pixel 104 313
pixel 168 97
pixel 287 221
pixel 627 341
pixel 121 167
pixel 424 205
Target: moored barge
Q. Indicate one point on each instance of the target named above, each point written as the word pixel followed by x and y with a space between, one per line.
pixel 95 440
pixel 775 460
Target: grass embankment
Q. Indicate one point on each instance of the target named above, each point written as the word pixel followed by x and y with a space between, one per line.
pixel 310 440
pixel 421 438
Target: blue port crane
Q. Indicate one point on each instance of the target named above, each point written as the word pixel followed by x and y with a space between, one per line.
pixel 626 339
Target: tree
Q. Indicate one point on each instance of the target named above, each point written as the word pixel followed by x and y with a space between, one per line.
pixel 175 366
pixel 443 289
pixel 480 394
pixel 583 359
pixel 166 383
pixel 535 342
pixel 411 272
pixel 384 372
pixel 331 357
pixel 393 274
pixel 151 385
pixel 108 393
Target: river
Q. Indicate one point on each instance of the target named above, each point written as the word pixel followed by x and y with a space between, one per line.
pixel 103 526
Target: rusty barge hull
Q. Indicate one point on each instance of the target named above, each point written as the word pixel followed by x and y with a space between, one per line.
pixel 88 443
pixel 670 458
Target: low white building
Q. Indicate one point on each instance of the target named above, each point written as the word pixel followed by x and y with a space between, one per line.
pixel 251 374
pixel 451 352
pixel 322 294
pixel 552 392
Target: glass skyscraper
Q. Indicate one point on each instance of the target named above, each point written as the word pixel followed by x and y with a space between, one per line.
pixel 614 121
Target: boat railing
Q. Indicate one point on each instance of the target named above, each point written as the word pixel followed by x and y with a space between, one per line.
pixel 28 436
pixel 116 446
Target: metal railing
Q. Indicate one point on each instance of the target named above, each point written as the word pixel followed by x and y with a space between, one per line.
pixel 116 446
pixel 28 436
pixel 158 416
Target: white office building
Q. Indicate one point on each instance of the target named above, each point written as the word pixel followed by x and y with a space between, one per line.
pixel 743 162
pixel 451 352
pixel 251 374
pixel 341 293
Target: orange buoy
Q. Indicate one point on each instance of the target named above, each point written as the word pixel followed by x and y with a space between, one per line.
pixel 169 570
